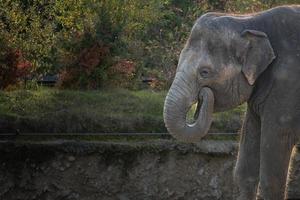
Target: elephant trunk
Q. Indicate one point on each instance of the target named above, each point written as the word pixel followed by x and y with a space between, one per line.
pixel 178 102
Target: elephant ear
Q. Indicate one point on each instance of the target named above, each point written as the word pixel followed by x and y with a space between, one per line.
pixel 258 55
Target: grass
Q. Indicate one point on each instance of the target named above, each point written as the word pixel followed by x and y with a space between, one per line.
pixel 51 110
pixel 67 111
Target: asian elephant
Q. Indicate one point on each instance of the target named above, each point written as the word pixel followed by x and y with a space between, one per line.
pixel 231 59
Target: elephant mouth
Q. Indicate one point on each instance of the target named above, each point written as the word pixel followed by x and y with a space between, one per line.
pixel 194 111
pixel 199 104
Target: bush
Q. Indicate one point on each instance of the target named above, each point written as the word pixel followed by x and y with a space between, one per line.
pixel 14 68
pixel 121 74
pixel 85 68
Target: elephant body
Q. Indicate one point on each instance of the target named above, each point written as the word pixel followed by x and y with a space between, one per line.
pixel 232 59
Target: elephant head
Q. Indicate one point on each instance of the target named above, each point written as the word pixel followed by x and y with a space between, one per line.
pixel 217 68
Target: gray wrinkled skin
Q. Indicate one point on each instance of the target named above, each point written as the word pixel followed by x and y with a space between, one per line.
pixel 231 59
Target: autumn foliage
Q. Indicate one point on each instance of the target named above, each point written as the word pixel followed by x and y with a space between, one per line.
pixel 14 68
pixel 81 69
pixel 100 44
pixel 122 73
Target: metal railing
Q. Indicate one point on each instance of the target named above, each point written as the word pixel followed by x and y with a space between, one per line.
pixel 107 135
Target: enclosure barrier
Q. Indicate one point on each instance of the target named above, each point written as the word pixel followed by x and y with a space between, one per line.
pixel 130 168
pixel 159 135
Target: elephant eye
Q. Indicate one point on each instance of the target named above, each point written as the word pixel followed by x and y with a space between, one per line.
pixel 204 72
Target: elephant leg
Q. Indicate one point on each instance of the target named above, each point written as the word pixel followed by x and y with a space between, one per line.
pixel 276 147
pixel 246 173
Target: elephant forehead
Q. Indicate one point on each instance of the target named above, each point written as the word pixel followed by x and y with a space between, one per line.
pixel 189 60
pixel 207 39
pixel 213 31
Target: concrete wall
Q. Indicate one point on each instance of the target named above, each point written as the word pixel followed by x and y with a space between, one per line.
pixel 164 169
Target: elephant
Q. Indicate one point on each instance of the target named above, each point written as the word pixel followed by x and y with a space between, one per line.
pixel 233 59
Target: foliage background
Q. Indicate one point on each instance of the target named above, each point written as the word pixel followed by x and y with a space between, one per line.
pixel 100 44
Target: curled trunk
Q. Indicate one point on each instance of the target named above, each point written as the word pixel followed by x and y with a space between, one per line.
pixel 177 104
